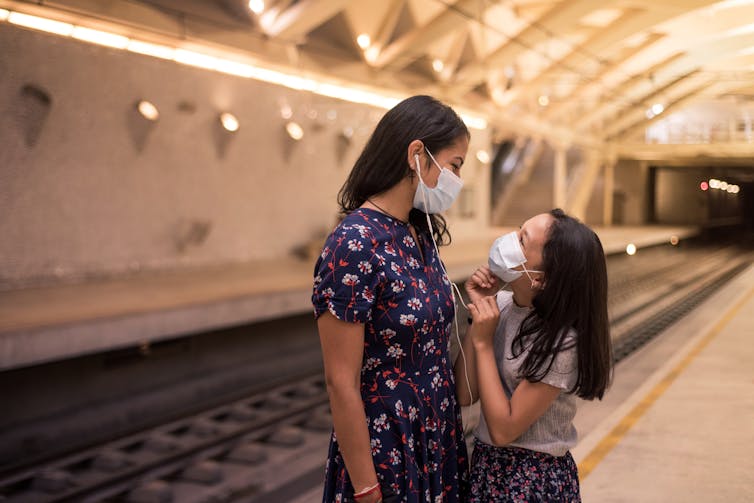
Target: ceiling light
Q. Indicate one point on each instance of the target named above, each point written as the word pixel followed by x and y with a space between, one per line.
pixel 4 14
pixel 544 100
pixel 704 186
pixel 631 249
pixel 157 51
pixel 438 65
pixel 148 110
pixel 723 185
pixel 100 37
pixel 256 6
pixel 40 23
pixel 195 59
pixel 372 54
pixel 363 40
pixel 483 156
pixel 294 130
pixel 229 122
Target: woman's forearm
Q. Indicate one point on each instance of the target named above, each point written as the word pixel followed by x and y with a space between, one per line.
pixel 349 421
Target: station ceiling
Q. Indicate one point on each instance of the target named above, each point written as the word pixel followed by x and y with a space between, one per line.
pixel 590 71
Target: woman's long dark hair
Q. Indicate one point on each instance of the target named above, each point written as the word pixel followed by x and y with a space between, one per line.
pixel 382 164
pixel 574 296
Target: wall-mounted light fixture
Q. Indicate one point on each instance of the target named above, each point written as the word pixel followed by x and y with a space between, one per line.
pixel 294 130
pixel 141 120
pixel 229 122
pixel 256 6
pixel 148 110
pixel 364 40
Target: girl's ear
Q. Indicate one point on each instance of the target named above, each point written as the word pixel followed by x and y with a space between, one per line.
pixel 538 283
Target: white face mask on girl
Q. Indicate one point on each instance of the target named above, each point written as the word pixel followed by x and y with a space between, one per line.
pixel 439 198
pixel 505 255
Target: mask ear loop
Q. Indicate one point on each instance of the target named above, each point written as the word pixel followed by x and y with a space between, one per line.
pixel 445 272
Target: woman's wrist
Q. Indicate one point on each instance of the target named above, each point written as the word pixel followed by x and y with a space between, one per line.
pixel 370 493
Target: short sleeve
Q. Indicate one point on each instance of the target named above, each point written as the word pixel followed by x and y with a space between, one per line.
pixel 564 370
pixel 347 275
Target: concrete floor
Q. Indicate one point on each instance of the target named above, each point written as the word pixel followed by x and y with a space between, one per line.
pixel 678 424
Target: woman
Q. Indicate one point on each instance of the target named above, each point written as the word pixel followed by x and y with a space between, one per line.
pixel 384 309
pixel 530 352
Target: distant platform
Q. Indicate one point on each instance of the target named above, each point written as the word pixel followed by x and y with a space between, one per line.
pixel 46 324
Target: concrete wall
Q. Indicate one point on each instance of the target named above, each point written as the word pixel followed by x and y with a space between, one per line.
pixel 89 189
pixel 630 193
pixel 678 198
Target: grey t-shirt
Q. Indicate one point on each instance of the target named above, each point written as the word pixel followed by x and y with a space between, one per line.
pixel 553 432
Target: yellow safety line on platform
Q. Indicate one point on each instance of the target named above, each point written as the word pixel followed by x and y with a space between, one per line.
pixel 607 444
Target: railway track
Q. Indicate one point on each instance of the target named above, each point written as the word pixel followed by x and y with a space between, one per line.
pixel 270 446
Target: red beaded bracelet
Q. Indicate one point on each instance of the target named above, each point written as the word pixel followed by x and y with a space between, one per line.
pixel 368 491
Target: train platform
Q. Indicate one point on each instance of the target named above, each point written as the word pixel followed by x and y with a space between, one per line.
pixel 678 423
pixel 39 325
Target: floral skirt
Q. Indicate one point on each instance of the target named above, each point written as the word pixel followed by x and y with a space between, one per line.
pixel 500 474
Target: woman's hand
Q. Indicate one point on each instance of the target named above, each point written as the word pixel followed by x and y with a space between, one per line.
pixel 485 315
pixel 482 284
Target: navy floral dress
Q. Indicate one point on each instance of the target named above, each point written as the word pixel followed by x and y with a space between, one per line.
pixel 371 272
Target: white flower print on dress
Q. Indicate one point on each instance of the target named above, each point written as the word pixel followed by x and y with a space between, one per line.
pixel 381 423
pixel 355 245
pixel 444 404
pixel 398 285
pixel 376 445
pixel 387 333
pixel 380 259
pixel 389 249
pixel 367 294
pixel 365 267
pixel 436 381
pixel 395 351
pixel 396 268
pixel 414 303
pixel 429 347
pixel 413 412
pixel 390 383
pixel 395 457
pixel 399 408
pixel 422 286
pixel 413 263
pixel 372 363
pixel 350 279
pixel 409 241
pixel 408 320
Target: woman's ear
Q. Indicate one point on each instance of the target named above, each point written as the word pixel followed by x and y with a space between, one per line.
pixel 415 151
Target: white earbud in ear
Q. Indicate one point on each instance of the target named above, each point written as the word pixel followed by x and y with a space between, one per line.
pixel 416 158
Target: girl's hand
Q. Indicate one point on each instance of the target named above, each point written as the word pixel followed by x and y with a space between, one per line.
pixel 485 316
pixel 482 284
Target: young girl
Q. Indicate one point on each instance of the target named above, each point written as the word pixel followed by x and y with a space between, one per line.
pixel 530 352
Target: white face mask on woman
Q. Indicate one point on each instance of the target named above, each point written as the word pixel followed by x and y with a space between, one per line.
pixel 505 255
pixel 439 198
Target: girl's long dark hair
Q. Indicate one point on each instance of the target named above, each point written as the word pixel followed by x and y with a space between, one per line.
pixel 382 164
pixel 574 296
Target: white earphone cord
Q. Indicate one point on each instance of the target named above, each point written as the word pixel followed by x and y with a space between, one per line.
pixel 445 272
